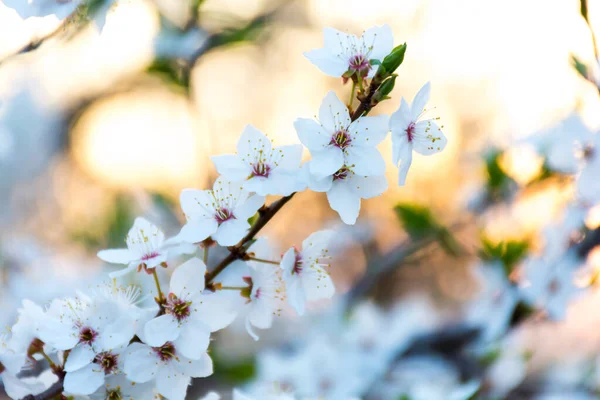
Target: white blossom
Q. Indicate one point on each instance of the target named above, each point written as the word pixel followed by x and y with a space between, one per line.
pixel 221 213
pixel 411 132
pixel 146 249
pixel 336 141
pixel 305 271
pixel 171 371
pixel 262 168
pixel 345 189
pixel 183 322
pixel 344 53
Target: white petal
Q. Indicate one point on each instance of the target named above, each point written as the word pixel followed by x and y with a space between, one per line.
pixel 238 395
pixel 344 201
pixel 172 384
pixel 366 161
pixel 327 62
pixel 84 381
pixel 316 244
pixel 317 283
pixel 420 100
pixel 141 364
pixel 311 134
pixel 326 162
pixel 367 187
pixel 161 329
pixel 314 183
pixel 188 278
pixel 260 315
pixel 215 311
pixel 193 340
pixel 333 113
pixel 196 203
pixel 200 368
pixel 288 261
pixel 249 207
pixel 369 131
pixel 117 333
pixel 428 138
pixel 211 396
pixel 405 154
pixel 17 389
pixel 250 330
pixel 232 167
pixel 400 120
pixel 116 256
pixel 230 232
pixel 251 141
pixel 295 295
pixel 382 40
pixel 196 230
pixel 80 356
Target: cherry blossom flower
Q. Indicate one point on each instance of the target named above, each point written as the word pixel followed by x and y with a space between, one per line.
pixel 221 213
pixel 117 386
pixel 345 189
pixel 262 168
pixel 493 306
pixel 411 132
pixel 96 331
pixel 183 323
pixel 550 286
pixel 345 54
pixel 171 371
pixel 336 141
pixel 304 271
pixel 11 363
pixel 42 8
pixel 146 249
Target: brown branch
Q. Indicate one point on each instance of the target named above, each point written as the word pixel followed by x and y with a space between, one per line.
pixel 239 250
pixel 366 101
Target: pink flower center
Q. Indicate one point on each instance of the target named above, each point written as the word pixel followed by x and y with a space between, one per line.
pixel 410 131
pixel 223 214
pixel 147 257
pixel 108 361
pixel 87 335
pixel 261 169
pixel 359 63
pixel 298 264
pixel 166 352
pixel 341 139
pixel 178 308
pixel 341 174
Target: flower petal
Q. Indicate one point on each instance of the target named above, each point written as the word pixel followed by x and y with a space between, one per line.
pixel 381 38
pixel 369 131
pixel 428 138
pixel 80 356
pixel 327 62
pixel 366 161
pixel 326 162
pixel 172 384
pixel 312 134
pixel 196 230
pixel 116 256
pixel 342 200
pixel 84 381
pixel 333 113
pixel 420 100
pixel 231 166
pixel 141 364
pixel 200 368
pixel 193 340
pixel 252 141
pixel 232 231
pixel 161 329
pixel 188 278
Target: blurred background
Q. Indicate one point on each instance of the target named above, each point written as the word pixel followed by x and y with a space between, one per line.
pixel 98 126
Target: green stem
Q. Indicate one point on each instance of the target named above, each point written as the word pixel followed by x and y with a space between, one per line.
pixel 351 99
pixel 160 294
pixel 50 362
pixel 232 288
pixel 262 260
pixel 205 255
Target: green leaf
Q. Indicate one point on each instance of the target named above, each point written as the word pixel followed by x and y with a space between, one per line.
pixel 509 253
pixel 169 71
pixel 419 222
pixel 580 67
pixel 384 90
pixel 584 9
pixel 234 373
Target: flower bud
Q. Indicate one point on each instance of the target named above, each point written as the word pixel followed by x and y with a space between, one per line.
pixel 393 60
pixel 384 90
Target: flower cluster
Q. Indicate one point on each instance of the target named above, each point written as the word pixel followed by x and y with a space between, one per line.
pixel 114 342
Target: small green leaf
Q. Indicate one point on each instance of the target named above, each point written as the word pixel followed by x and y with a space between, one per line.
pixel 580 67
pixel 419 222
pixel 509 253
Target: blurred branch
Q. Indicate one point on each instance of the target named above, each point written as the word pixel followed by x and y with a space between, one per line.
pixel 584 13
pixel 37 42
